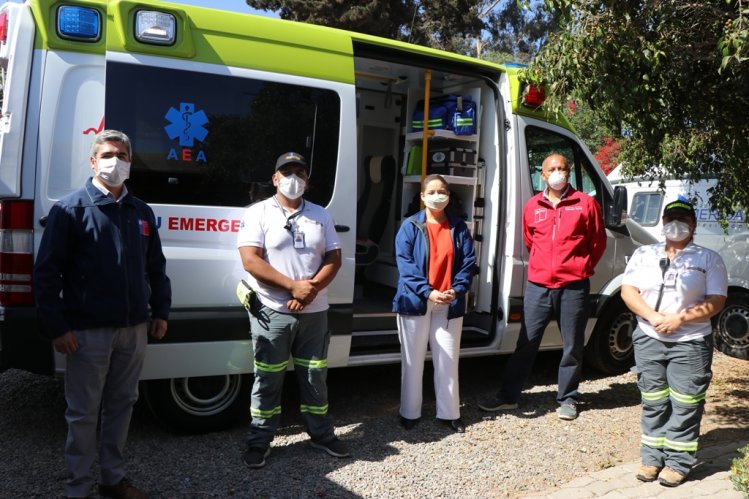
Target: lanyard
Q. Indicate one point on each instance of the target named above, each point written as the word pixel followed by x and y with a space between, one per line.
pixel 290 217
pixel 664 264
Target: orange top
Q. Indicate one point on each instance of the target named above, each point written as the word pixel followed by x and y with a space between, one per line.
pixel 440 256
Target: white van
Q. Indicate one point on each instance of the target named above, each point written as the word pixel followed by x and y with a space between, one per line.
pixel 210 99
pixel 646 202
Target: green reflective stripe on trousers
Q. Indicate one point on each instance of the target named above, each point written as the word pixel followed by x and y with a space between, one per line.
pixel 681 446
pixel 652 441
pixel 655 396
pixel 259 413
pixel 271 368
pixel 314 409
pixel 311 363
pixel 687 399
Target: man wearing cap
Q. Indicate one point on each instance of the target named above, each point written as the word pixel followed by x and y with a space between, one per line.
pixel 673 288
pixel 291 252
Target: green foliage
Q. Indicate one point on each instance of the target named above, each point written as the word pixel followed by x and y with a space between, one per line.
pixel 740 471
pixel 658 70
pixel 443 24
pixel 519 28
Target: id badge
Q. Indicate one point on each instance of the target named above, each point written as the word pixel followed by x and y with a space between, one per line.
pixel 669 278
pixel 298 239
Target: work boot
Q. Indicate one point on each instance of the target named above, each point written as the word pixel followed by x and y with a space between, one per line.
pixel 648 473
pixel 671 478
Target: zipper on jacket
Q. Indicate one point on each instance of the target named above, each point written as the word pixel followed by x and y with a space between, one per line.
pixel 423 229
pixel 124 260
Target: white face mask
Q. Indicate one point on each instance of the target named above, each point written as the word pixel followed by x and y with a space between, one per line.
pixel 557 180
pixel 292 187
pixel 113 171
pixel 436 201
pixel 676 231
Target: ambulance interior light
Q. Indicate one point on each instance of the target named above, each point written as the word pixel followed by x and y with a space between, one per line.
pixel 78 23
pixel 155 27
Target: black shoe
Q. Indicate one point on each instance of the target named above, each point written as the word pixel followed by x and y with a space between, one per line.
pixel 334 447
pixel 409 423
pixel 494 404
pixel 457 425
pixel 254 457
pixel 122 490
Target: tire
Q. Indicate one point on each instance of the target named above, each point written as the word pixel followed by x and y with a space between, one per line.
pixel 609 349
pixel 201 404
pixel 731 326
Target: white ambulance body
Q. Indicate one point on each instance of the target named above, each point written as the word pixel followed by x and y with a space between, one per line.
pixel 210 99
pixel 646 202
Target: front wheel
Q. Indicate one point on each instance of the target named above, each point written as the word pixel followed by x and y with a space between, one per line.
pixel 610 348
pixel 200 404
pixel 731 326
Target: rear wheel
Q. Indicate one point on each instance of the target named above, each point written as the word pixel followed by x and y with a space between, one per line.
pixel 200 404
pixel 731 326
pixel 610 349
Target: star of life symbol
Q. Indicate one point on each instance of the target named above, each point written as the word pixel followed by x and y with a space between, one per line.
pixel 186 124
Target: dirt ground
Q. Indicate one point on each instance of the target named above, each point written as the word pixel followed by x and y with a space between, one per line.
pixel 726 416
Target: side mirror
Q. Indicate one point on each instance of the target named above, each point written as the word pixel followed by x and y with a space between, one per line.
pixel 616 212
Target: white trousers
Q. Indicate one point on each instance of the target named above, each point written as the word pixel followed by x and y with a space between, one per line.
pixel 443 337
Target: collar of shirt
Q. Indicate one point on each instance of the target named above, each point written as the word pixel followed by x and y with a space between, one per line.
pixel 97 183
pixel 564 194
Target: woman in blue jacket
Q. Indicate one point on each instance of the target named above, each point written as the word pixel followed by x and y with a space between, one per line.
pixel 436 260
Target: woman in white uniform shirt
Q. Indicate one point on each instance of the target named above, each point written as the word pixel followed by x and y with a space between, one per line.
pixel 674 288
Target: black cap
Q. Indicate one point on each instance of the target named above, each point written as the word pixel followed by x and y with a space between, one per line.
pixel 291 158
pixel 679 206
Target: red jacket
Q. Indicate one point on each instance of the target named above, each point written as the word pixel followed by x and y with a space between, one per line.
pixel 565 242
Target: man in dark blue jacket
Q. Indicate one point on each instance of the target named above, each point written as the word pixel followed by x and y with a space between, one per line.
pixel 99 267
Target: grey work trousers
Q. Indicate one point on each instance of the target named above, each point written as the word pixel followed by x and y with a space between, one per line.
pixel 673 378
pixel 275 337
pixel 101 383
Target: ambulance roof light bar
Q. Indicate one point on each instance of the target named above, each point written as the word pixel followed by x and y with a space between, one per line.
pixel 155 27
pixel 78 23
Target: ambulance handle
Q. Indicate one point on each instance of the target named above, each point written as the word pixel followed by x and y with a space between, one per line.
pixel 342 228
pixel 43 220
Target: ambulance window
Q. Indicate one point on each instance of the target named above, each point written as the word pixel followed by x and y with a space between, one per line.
pixel 646 208
pixel 207 139
pixel 541 143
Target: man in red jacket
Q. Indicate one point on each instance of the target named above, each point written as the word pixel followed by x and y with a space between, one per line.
pixel 565 236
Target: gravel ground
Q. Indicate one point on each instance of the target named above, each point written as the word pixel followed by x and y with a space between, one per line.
pixel 518 451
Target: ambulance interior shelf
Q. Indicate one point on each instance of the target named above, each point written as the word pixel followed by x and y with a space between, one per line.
pixel 452 149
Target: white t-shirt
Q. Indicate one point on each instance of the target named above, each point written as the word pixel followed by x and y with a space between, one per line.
pixel 694 273
pixel 296 252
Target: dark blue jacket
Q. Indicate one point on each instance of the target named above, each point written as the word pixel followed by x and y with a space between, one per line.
pixel 412 256
pixel 106 258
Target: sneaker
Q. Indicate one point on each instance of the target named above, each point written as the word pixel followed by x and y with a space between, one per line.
pixel 254 457
pixel 496 404
pixel 648 473
pixel 670 477
pixel 123 490
pixel 568 412
pixel 334 447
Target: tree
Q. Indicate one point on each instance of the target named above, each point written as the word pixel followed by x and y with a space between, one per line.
pixel 519 29
pixel 443 24
pixel 671 73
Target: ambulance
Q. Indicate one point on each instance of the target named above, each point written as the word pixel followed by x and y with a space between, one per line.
pixel 646 201
pixel 210 99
